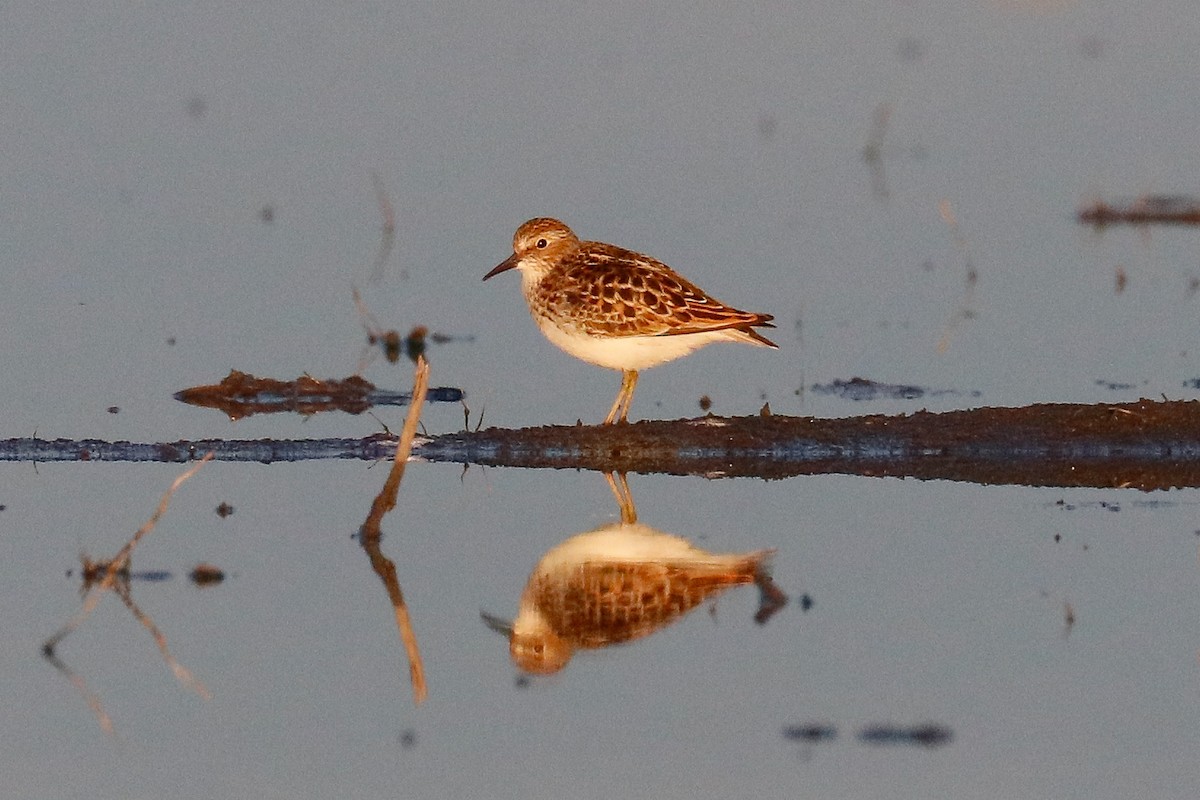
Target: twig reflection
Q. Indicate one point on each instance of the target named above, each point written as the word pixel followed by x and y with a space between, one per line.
pixel 872 152
pixel 115 577
pixel 388 230
pixel 370 534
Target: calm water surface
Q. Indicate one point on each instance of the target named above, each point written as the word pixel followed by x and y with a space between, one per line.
pixel 144 145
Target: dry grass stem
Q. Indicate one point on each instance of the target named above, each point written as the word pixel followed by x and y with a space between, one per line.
pixel 371 534
pixel 388 239
pixel 964 310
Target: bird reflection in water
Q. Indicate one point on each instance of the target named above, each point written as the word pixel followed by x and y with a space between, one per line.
pixel 619 583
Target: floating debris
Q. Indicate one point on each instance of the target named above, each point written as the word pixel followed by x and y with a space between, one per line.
pixel 206 575
pixel 926 735
pixel 811 733
pixel 859 389
pixel 388 341
pixel 93 572
pixel 1115 386
pixel 1155 209
pixel 414 343
pixel 392 343
pixel 241 395
pixel 224 510
pixel 771 599
pixel 1103 505
pixel 1112 505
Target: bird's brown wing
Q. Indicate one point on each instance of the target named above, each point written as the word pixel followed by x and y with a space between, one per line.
pixel 617 292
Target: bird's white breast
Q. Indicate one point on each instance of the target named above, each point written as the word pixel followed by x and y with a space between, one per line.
pixel 626 352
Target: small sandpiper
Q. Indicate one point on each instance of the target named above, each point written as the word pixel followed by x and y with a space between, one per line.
pixel 616 308
pixel 617 584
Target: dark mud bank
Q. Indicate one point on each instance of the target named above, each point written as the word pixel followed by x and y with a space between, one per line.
pixel 1145 445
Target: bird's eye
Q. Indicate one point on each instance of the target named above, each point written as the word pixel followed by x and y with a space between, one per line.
pixel 541 244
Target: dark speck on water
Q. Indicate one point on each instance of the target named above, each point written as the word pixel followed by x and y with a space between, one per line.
pixel 151 575
pixel 1114 385
pixel 859 389
pixel 206 575
pixel 810 732
pixel 926 735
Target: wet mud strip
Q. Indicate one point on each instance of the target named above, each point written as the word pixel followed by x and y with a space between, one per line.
pixel 1145 445
pixel 378 447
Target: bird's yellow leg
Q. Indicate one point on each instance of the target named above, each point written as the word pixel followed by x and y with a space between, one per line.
pixel 620 489
pixel 631 377
pixel 624 397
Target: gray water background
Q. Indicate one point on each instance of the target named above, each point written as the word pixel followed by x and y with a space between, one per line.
pixel 143 142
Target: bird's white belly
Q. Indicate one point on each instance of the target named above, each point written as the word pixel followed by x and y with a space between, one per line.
pixel 628 352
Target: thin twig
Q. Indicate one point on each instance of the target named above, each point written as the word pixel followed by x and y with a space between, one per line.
pixel 964 311
pixel 371 532
pixel 403 450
